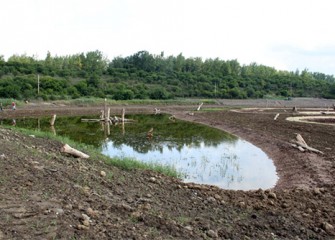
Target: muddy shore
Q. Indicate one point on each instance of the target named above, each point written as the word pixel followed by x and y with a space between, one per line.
pixel 44 193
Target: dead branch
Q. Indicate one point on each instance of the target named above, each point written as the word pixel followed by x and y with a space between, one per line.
pixel 198 109
pixel 300 142
pixel 277 115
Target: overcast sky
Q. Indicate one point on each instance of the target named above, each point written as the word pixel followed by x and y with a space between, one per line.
pixel 285 34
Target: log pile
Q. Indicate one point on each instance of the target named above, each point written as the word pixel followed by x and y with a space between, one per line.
pixel 300 144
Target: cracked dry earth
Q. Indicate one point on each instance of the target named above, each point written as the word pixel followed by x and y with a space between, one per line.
pixel 45 194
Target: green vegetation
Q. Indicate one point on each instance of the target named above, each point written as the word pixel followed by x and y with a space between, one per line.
pixel 122 163
pixel 146 76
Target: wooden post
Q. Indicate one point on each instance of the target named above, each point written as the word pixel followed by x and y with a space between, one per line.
pixel 105 107
pixel 108 129
pixel 123 112
pixel 108 115
pixel 38 84
pixel 53 119
pixel 53 130
pixel 102 115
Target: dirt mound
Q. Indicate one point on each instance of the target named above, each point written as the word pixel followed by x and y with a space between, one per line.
pixel 48 195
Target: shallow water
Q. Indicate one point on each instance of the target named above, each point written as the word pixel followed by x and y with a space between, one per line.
pixel 203 154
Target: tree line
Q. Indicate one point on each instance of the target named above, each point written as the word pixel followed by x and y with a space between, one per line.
pixel 147 76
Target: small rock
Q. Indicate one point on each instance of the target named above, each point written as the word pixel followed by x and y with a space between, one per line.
pixel 59 211
pixel 85 217
pixel 82 227
pixel 146 206
pixel 211 199
pixel 217 197
pixel 212 234
pixel 285 205
pixel 136 215
pixel 241 204
pixel 271 202
pixel 153 179
pixel 103 174
pixel 86 223
pixel 127 207
pixel 327 227
pixel 189 228
pixel 272 195
pixel 317 191
pixel 69 206
pixel 90 212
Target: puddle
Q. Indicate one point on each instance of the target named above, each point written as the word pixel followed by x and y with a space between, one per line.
pixel 204 155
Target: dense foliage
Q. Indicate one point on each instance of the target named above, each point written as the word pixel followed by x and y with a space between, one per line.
pixel 144 75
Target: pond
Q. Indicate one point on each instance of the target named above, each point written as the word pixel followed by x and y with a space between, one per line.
pixel 202 154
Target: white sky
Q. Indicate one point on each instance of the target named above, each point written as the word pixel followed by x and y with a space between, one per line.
pixel 285 34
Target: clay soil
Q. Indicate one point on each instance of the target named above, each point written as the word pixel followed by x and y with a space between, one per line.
pixel 45 194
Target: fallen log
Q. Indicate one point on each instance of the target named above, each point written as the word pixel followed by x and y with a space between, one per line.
pixel 67 149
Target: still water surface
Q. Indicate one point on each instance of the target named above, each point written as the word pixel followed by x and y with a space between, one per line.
pixel 203 154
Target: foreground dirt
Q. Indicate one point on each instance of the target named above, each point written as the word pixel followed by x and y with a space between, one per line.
pixel 45 194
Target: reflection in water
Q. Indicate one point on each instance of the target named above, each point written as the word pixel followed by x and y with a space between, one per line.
pixel 202 154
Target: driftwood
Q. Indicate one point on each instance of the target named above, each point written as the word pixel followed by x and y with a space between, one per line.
pixel 277 115
pixel 198 109
pixel 157 111
pixel 300 144
pixel 123 113
pixel 67 149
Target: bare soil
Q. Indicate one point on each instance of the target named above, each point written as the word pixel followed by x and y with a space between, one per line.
pixel 45 194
